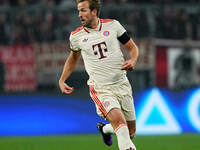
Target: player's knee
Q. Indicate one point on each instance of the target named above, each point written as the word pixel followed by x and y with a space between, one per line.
pixel 116 123
pixel 116 117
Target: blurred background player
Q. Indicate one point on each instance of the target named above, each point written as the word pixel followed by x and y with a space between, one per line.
pixel 98 43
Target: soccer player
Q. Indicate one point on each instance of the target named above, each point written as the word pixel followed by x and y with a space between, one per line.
pixel 98 41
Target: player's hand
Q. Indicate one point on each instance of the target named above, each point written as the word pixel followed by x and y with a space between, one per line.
pixel 128 65
pixel 65 88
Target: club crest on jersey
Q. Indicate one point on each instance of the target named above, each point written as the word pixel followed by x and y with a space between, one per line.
pixel 106 103
pixel 106 33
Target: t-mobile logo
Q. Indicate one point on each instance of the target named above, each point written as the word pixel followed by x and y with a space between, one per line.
pixel 100 48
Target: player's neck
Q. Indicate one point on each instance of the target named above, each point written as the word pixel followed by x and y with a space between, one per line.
pixel 95 23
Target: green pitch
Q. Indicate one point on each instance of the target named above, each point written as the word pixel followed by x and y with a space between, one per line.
pixel 94 142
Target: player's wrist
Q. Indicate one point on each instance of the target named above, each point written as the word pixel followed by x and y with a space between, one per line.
pixel 61 80
pixel 133 60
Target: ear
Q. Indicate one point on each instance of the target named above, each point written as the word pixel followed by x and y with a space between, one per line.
pixel 94 12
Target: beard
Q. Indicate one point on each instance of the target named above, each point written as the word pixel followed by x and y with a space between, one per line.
pixel 88 23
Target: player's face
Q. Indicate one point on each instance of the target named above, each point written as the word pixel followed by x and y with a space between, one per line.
pixel 85 14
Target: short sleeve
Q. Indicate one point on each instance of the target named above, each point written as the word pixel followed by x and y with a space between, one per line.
pixel 74 45
pixel 119 28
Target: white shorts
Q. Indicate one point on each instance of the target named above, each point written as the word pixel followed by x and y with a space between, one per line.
pixel 113 96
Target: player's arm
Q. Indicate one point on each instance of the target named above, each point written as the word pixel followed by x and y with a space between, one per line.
pixel 134 53
pixel 69 66
pixel 125 39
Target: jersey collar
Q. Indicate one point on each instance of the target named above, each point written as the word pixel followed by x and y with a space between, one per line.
pixel 98 28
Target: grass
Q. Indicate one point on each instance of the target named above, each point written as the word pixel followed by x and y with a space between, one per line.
pixel 94 142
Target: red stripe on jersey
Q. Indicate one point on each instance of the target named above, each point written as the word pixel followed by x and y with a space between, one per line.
pixel 100 25
pixel 106 20
pixel 97 101
pixel 77 30
pixel 86 30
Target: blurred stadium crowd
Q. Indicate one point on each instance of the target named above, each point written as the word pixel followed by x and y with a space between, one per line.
pixel 34 36
pixel 27 21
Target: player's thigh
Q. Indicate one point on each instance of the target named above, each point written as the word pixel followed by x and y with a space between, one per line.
pixel 127 102
pixel 128 108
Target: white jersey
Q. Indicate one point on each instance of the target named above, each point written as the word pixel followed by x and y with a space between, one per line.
pixel 101 52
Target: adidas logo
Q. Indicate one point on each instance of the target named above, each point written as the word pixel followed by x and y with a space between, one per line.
pixel 85 40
